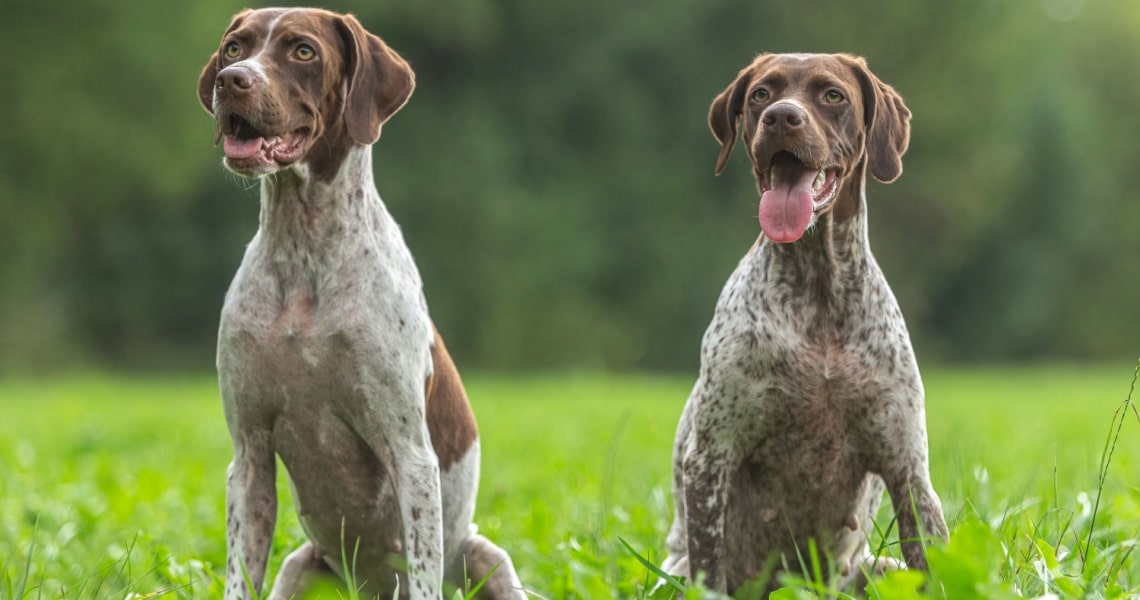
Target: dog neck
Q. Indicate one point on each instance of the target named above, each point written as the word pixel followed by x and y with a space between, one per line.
pixel 306 222
pixel 832 258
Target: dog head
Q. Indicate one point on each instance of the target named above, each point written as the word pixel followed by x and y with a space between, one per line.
pixel 811 123
pixel 286 81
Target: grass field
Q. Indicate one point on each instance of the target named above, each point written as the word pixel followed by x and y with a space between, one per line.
pixel 112 487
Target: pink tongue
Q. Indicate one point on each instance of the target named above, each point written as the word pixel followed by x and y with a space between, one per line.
pixel 236 148
pixel 785 210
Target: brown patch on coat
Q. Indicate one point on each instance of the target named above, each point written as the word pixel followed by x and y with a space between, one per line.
pixel 449 418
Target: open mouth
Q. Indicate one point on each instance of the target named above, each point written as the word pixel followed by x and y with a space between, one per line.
pixel 246 145
pixel 791 194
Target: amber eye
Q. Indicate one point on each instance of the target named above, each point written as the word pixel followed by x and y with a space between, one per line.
pixel 233 49
pixel 759 95
pixel 833 96
pixel 304 52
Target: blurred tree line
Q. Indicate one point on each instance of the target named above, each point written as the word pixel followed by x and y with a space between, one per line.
pixel 553 174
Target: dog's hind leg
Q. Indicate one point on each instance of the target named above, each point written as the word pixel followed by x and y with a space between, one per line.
pixel 861 578
pixel 297 572
pixel 483 561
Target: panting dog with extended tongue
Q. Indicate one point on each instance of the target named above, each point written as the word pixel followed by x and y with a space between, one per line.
pixel 809 399
pixel 326 354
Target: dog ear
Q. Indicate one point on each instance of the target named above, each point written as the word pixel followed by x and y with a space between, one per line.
pixel 379 81
pixel 887 123
pixel 206 83
pixel 210 72
pixel 724 115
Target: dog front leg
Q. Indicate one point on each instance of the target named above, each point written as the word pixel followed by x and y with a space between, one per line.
pixel 706 469
pixel 677 542
pixel 919 516
pixel 397 428
pixel 904 465
pixel 417 490
pixel 251 513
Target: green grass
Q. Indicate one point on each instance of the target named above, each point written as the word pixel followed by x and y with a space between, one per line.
pixel 111 486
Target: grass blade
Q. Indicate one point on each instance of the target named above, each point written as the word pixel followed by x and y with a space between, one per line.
pixel 672 581
pixel 1106 459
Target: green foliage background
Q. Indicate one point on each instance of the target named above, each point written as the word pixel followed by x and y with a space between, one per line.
pixel 553 174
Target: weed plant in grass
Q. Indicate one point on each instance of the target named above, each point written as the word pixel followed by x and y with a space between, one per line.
pixel 113 486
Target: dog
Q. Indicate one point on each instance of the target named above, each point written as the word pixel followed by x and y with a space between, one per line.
pixel 809 400
pixel 327 357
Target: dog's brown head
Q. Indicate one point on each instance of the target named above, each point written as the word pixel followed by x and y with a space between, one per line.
pixel 811 123
pixel 285 81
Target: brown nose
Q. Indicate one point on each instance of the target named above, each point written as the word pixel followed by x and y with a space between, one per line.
pixel 235 80
pixel 783 117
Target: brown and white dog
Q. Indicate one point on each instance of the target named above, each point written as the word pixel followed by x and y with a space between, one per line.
pixel 326 354
pixel 809 398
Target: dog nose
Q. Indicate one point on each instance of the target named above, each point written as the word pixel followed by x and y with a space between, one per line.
pixel 783 117
pixel 235 80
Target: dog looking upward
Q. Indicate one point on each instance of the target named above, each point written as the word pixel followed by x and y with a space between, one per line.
pixel 326 354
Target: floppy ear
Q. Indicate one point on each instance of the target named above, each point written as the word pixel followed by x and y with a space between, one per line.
pixel 206 84
pixel 724 115
pixel 210 71
pixel 379 82
pixel 887 122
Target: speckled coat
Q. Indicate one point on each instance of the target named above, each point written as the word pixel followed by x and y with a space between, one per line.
pixel 809 399
pixel 327 356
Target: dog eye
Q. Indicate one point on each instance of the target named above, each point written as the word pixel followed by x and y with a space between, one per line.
pixel 304 52
pixel 759 95
pixel 833 96
pixel 233 50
